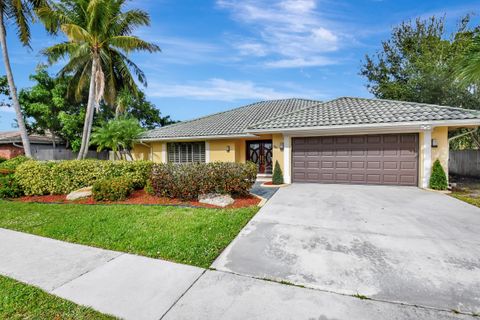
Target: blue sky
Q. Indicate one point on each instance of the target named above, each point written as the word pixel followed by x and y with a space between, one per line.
pixel 221 54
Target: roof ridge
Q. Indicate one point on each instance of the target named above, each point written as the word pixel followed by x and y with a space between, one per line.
pixel 225 111
pixel 403 101
pixel 289 113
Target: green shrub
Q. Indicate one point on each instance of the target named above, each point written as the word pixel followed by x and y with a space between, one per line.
pixel 277 177
pixel 2 159
pixel 13 163
pixel 188 181
pixel 9 187
pixel 48 177
pixel 438 178
pixel 113 189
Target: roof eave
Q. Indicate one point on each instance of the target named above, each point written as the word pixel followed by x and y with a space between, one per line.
pixel 377 127
pixel 196 138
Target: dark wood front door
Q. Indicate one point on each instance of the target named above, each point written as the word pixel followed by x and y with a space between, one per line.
pixel 260 153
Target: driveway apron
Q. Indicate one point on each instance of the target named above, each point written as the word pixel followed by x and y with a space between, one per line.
pixel 396 244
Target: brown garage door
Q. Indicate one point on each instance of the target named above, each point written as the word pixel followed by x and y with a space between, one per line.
pixel 390 159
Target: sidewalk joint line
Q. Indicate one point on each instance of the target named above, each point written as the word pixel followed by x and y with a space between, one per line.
pixel 185 292
pixel 88 271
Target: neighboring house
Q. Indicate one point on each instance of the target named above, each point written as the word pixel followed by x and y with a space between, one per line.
pixel 44 147
pixel 346 140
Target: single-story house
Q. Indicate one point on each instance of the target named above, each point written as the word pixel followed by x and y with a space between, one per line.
pixel 345 140
pixel 11 143
pixel 44 147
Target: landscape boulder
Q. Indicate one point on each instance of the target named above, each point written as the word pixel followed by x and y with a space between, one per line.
pixel 80 194
pixel 219 200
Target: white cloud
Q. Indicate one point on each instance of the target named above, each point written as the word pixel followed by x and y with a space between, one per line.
pixel 224 90
pixel 287 30
pixel 6 108
pixel 252 49
pixel 300 62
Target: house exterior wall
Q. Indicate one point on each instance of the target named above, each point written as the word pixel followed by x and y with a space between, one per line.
pixel 9 151
pixel 442 151
pixel 217 150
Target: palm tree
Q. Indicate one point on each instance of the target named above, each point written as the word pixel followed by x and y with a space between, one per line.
pixel 468 67
pixel 20 12
pixel 99 34
pixel 118 135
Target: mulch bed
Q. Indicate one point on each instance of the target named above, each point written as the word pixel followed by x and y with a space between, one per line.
pixel 140 197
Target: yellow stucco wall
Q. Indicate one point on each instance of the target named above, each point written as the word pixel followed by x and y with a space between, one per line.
pixel 218 150
pixel 142 152
pixel 277 153
pixel 442 151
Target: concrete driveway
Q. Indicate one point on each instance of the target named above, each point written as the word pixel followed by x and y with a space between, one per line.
pixel 397 244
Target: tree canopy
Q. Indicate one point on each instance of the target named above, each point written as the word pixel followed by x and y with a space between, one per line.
pixel 418 64
pixel 47 106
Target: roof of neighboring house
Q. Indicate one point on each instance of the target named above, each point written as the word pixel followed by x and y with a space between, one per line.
pixel 361 111
pixel 232 122
pixel 14 137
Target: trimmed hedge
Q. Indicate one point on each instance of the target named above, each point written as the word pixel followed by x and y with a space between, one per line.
pixel 438 178
pixel 113 189
pixel 40 177
pixel 188 181
pixel 12 164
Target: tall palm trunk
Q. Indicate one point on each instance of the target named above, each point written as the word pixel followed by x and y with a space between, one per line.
pixel 13 89
pixel 87 125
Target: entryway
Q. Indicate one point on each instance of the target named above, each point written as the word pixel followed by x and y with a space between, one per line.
pixel 260 152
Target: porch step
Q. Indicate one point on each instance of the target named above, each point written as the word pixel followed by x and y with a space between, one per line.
pixel 264 177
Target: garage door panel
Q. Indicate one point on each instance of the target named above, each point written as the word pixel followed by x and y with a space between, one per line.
pixel 368 159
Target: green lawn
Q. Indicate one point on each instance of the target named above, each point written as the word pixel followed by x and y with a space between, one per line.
pixel 468 198
pixel 193 236
pixel 21 301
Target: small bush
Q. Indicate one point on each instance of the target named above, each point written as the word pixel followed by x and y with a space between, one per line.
pixel 438 178
pixel 48 177
pixel 188 181
pixel 2 159
pixel 9 187
pixel 13 163
pixel 277 177
pixel 113 189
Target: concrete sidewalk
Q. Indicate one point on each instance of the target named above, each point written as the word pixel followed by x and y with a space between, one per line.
pixel 123 285
pixel 135 287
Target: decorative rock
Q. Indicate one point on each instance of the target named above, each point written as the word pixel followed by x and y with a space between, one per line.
pixel 219 200
pixel 80 194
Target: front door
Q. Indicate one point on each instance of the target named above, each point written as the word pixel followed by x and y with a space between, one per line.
pixel 260 153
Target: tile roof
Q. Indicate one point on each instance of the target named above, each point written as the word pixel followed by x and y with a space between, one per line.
pixel 14 137
pixel 232 122
pixel 357 111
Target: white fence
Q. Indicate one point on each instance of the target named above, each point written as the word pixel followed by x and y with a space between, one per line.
pixel 464 162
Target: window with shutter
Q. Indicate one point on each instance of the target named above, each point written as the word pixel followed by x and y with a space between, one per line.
pixel 186 152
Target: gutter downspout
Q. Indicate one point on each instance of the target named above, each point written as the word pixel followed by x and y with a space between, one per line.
pixel 17 145
pixel 148 146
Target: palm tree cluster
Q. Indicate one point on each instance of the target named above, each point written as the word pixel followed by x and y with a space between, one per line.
pixel 99 39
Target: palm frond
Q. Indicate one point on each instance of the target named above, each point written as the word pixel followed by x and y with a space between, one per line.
pixel 76 33
pixel 132 43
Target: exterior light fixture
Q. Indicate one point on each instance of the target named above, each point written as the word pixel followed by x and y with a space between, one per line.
pixel 282 146
pixel 228 148
pixel 434 143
